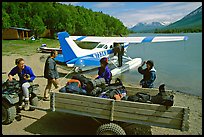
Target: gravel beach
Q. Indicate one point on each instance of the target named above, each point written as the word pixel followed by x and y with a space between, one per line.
pixel 47 123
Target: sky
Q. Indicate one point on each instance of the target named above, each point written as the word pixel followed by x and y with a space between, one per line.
pixel 131 13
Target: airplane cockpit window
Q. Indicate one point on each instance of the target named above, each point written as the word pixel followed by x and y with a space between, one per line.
pixel 100 46
pixel 105 47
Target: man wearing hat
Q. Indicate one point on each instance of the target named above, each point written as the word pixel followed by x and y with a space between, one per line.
pixel 149 74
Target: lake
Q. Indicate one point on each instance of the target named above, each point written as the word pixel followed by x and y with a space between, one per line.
pixel 178 64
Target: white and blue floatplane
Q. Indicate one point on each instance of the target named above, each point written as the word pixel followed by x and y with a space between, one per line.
pixel 85 59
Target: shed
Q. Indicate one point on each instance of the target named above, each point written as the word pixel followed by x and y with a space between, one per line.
pixel 16 33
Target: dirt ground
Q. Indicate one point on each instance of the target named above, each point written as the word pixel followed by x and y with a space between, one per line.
pixel 41 122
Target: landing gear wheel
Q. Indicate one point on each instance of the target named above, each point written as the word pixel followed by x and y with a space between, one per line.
pixel 110 129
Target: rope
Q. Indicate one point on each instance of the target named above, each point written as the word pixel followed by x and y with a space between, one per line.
pixel 52 90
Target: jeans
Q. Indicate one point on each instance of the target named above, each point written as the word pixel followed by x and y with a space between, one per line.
pixel 25 87
pixel 49 85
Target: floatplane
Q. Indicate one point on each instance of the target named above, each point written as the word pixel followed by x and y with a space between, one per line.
pixel 86 59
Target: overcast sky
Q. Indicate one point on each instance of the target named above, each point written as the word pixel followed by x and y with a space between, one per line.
pixel 131 13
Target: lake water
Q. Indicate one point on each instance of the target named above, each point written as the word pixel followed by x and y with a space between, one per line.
pixel 178 64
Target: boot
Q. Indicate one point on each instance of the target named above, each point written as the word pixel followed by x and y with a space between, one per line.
pixel 26 107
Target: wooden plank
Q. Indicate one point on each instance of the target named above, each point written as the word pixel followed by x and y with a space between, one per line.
pixel 147 112
pixel 65 101
pixel 185 124
pixel 148 106
pixel 112 110
pixel 127 120
pixel 82 113
pixel 82 97
pixel 82 109
pixel 151 119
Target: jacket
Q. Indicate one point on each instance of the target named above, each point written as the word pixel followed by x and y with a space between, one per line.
pixel 26 70
pixel 149 77
pixel 106 74
pixel 50 69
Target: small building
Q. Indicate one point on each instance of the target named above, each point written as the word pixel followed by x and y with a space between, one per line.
pixel 14 33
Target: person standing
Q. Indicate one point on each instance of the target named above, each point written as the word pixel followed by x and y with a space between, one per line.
pixel 149 74
pixel 119 50
pixel 26 75
pixel 104 71
pixel 51 74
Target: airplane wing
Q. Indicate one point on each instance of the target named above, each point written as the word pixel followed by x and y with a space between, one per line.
pixel 129 39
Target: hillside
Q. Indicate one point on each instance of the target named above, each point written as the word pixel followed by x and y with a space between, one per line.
pixel 39 16
pixel 190 23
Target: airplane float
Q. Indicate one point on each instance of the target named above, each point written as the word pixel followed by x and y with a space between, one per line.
pixel 85 59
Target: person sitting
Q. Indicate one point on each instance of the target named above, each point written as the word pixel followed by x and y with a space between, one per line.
pixel 149 74
pixel 104 71
pixel 26 75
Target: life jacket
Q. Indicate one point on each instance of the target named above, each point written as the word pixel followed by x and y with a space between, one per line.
pixel 73 86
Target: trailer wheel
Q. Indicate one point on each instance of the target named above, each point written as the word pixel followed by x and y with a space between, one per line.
pixel 8 113
pixel 33 102
pixel 110 129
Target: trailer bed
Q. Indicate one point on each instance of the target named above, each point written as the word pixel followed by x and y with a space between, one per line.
pixel 175 117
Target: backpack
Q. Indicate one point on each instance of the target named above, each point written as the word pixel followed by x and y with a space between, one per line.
pixel 84 80
pixel 92 84
pixel 11 86
pixel 162 97
pixel 140 97
pixel 114 91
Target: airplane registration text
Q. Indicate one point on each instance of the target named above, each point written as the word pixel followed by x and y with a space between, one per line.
pixel 100 54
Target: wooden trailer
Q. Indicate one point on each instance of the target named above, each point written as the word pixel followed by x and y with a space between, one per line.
pixel 175 117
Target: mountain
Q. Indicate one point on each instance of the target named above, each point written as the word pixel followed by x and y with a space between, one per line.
pixel 191 23
pixel 145 27
pixel 192 20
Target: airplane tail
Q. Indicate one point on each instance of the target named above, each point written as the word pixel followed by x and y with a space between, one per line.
pixel 70 49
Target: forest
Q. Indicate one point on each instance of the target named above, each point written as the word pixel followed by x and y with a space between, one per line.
pixel 39 16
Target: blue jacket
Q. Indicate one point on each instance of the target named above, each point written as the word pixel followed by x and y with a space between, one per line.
pixel 149 77
pixel 26 70
pixel 106 74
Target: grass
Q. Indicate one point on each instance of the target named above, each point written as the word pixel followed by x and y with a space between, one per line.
pixel 28 47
